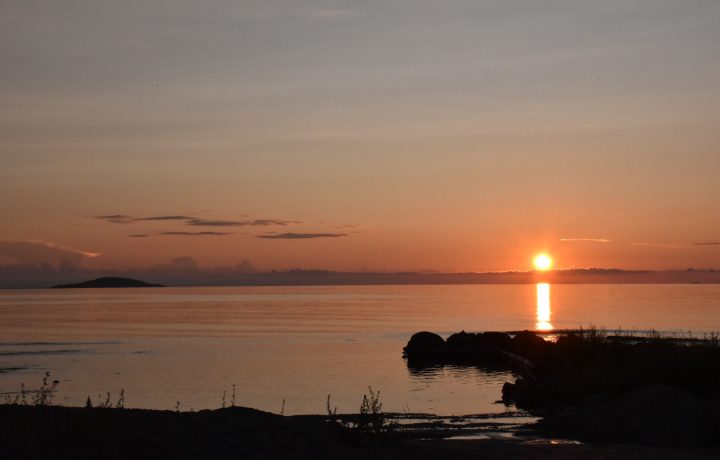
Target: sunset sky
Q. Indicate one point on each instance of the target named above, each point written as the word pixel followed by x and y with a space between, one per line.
pixel 379 135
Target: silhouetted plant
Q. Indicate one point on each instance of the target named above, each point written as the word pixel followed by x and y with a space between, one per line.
pixel 712 339
pixel 332 413
pixel 43 397
pixel 104 403
pixel 282 408
pixel 372 418
pixel 121 400
pixel 593 334
pixel 40 397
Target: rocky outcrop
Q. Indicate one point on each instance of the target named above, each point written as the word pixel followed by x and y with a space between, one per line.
pixel 425 343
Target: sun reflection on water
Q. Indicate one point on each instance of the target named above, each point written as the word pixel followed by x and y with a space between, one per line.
pixel 543 307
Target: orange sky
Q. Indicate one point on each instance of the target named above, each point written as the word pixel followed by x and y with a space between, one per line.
pixel 392 136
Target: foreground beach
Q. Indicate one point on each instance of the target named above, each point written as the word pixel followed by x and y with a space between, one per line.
pixel 28 432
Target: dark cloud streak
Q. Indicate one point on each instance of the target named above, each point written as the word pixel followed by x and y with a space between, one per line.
pixel 215 223
pixel 194 233
pixel 161 218
pixel 234 223
pixel 196 222
pixel 301 236
pixel 117 218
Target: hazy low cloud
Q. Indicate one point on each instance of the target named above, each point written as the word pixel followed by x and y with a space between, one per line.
pixel 184 263
pixel 588 240
pixel 301 236
pixel 708 243
pixel 36 252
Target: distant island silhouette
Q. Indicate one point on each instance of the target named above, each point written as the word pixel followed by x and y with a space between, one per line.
pixel 107 282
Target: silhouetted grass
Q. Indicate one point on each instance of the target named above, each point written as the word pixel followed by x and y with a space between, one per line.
pixel 43 396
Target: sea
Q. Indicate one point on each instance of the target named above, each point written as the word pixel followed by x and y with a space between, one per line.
pixel 286 349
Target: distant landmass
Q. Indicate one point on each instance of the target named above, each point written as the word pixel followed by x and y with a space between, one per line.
pixel 243 274
pixel 107 282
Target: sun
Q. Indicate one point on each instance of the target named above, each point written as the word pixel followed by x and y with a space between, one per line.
pixel 542 262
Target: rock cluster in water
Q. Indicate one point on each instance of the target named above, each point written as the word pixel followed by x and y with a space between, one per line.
pixel 468 346
pixel 596 387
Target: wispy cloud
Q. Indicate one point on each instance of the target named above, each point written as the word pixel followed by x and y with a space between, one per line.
pixel 117 218
pixel 35 251
pixel 657 244
pixel 125 219
pixel 242 223
pixel 146 235
pixel 268 222
pixel 164 218
pixel 195 233
pixel 300 236
pixel 215 223
pixel 708 243
pixel 196 221
pixel 588 240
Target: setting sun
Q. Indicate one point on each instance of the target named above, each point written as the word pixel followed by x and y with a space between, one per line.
pixel 542 262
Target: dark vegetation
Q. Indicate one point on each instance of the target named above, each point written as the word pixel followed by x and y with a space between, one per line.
pixel 32 428
pixel 52 432
pixel 599 387
pixel 108 282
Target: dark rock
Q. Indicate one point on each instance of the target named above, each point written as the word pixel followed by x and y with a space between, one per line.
pixel 425 343
pixel 498 340
pixel 463 341
pixel 529 345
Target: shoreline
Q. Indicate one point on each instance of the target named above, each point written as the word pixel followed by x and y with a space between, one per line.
pixel 35 432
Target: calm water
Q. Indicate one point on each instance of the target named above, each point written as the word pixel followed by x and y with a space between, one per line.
pixel 302 343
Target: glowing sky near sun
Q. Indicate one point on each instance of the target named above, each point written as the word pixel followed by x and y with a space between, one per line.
pixel 419 135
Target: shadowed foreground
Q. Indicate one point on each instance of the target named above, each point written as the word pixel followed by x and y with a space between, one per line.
pixel 597 387
pixel 83 433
